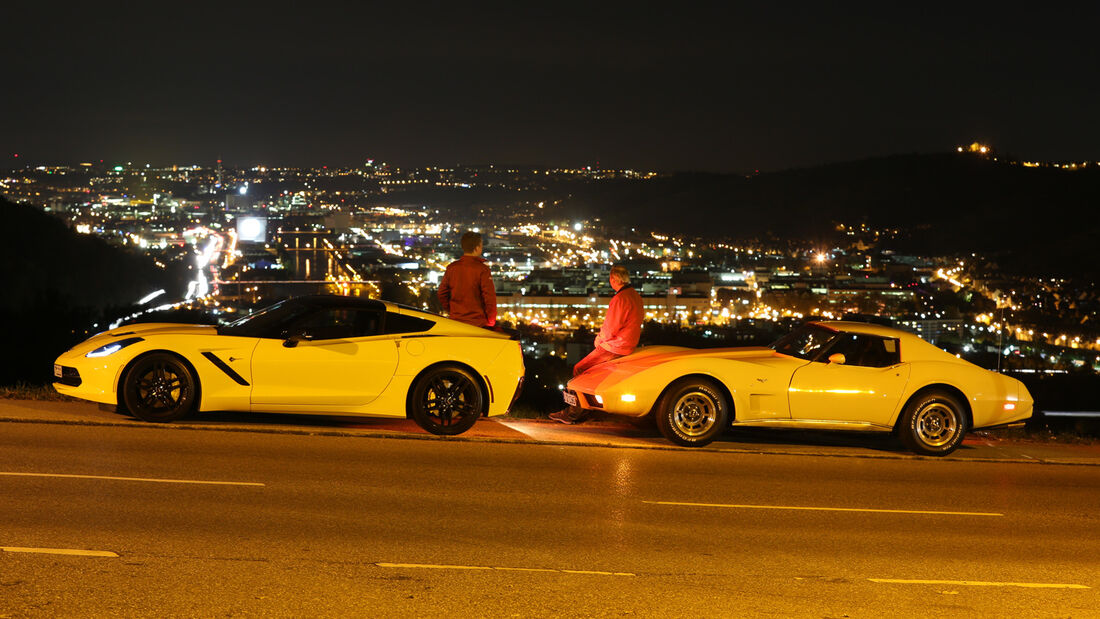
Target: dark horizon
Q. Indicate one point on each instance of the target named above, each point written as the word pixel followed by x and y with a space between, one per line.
pixel 702 88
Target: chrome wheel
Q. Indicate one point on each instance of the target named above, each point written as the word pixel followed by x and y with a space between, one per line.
pixel 933 423
pixel 694 413
pixel 936 424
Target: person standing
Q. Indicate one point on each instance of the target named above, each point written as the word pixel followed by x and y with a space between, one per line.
pixel 466 292
pixel 618 337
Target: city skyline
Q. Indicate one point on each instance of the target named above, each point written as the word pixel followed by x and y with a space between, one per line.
pixel 704 88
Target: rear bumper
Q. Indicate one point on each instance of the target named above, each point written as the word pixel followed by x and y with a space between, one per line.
pixel 515 396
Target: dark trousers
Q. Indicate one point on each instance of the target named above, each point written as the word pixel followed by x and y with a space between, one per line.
pixel 592 359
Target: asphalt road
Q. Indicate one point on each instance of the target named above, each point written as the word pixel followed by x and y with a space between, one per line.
pixel 214 523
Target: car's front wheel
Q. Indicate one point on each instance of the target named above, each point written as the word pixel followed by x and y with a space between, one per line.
pixel 692 413
pixel 158 388
pixel 933 424
pixel 447 400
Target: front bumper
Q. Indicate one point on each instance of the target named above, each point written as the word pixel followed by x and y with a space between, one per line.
pixel 608 402
pixel 66 375
pixel 82 378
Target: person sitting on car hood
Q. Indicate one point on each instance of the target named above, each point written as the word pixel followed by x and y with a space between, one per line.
pixel 618 335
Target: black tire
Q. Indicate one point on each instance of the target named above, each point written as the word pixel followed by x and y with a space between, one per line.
pixel 692 413
pixel 933 423
pixel 446 400
pixel 159 388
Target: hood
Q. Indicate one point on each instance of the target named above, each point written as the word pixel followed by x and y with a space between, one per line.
pixel 144 330
pixel 158 328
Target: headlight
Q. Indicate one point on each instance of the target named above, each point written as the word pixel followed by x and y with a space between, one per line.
pixel 113 347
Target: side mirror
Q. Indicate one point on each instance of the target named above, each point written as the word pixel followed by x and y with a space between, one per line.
pixel 837 358
pixel 293 340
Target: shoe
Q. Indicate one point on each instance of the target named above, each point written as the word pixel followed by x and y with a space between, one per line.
pixel 563 417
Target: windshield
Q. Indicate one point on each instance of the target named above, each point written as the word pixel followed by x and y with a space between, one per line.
pixel 263 322
pixel 805 342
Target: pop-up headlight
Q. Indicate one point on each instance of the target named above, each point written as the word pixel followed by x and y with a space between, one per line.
pixel 113 347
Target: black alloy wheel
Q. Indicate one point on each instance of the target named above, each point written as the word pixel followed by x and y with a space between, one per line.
pixel 692 413
pixel 158 388
pixel 933 424
pixel 447 400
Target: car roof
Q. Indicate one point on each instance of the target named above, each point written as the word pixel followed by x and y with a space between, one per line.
pixel 333 300
pixel 864 327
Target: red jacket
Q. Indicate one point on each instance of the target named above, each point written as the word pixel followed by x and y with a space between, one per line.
pixel 467 294
pixel 623 324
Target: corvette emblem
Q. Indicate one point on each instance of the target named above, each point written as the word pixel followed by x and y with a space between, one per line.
pixel 762 380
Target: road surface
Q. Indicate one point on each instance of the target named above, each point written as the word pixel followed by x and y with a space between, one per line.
pixel 137 521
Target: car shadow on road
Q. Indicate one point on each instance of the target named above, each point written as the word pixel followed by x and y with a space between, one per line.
pixel 338 424
pixel 748 437
pixel 302 421
pixel 877 441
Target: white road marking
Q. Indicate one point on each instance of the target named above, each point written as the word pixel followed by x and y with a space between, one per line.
pixel 61 551
pixel 979 583
pixel 825 509
pixel 429 566
pixel 148 479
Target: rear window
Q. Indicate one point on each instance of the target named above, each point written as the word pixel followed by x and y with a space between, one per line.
pixel 403 323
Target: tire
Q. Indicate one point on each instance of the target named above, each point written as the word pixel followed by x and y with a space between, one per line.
pixel 446 400
pixel 692 413
pixel 159 388
pixel 933 423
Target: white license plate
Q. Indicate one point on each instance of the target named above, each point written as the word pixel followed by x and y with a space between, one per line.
pixel 57 370
pixel 569 398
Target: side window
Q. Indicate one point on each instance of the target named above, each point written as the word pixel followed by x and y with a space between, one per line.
pixel 891 352
pixel 334 323
pixel 865 350
pixel 400 323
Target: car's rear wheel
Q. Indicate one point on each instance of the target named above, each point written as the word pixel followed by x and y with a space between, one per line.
pixel 446 400
pixel 158 388
pixel 692 413
pixel 933 424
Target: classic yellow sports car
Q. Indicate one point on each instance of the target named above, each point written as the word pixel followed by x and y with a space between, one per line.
pixel 824 375
pixel 317 354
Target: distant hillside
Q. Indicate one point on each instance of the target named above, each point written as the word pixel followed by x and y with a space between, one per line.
pixel 55 283
pixel 1042 219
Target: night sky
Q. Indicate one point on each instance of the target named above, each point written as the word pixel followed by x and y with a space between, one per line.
pixel 669 86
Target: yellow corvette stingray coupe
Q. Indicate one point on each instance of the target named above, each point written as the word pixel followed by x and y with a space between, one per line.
pixel 827 375
pixel 318 354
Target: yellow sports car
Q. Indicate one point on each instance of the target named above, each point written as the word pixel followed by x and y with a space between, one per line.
pixel 317 354
pixel 824 375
